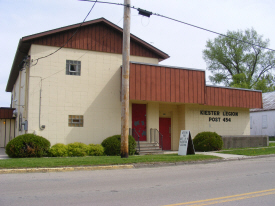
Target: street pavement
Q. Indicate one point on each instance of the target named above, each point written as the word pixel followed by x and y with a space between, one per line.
pixel 223 182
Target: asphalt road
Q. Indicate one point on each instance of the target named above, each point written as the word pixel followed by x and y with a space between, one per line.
pixel 240 182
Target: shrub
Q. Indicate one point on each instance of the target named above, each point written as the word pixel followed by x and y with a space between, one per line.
pixel 112 145
pixel 95 150
pixel 28 145
pixel 77 149
pixel 207 141
pixel 58 150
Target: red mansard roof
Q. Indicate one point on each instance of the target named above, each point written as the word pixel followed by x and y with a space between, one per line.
pixel 150 82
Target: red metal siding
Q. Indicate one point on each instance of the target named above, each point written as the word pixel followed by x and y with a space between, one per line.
pixel 233 97
pixel 96 37
pixel 155 83
pixel 6 113
pixel 159 83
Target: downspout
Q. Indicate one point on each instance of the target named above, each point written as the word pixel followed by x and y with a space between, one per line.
pixel 19 102
pixel 27 78
pixel 10 131
pixel 5 132
pixel 41 127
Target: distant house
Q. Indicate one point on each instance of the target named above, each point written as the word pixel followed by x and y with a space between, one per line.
pixel 262 120
pixel 74 94
pixel 7 125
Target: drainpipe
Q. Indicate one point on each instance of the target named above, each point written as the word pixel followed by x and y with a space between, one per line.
pixel 41 127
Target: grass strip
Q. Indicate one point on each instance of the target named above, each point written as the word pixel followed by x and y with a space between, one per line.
pixel 251 151
pixel 97 160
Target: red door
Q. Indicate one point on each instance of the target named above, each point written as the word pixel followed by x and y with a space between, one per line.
pixel 165 130
pixel 139 120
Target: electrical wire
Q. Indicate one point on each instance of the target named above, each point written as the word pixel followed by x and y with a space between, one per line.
pixel 68 39
pixel 166 17
pixel 213 32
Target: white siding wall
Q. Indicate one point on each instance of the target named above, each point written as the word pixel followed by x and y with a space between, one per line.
pixel 258 127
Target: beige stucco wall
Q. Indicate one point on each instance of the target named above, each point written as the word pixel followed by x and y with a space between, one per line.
pixel 196 122
pixel 20 97
pixel 95 94
pixel 188 117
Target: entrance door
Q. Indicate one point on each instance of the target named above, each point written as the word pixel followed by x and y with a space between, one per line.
pixel 139 120
pixel 165 130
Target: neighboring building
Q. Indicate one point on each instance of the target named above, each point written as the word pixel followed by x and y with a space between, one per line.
pixel 262 121
pixel 7 126
pixel 74 94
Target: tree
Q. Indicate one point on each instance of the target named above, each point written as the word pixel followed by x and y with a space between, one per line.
pixel 238 64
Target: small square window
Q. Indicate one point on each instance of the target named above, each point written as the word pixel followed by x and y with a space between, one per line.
pixel 75 121
pixel 73 67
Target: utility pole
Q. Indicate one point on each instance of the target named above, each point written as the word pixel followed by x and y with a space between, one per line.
pixel 125 80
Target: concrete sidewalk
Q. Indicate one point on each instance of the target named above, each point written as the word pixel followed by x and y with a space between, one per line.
pixel 3 154
pixel 224 156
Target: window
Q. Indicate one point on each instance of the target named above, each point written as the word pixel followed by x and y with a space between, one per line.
pixel 75 121
pixel 73 67
pixel 264 121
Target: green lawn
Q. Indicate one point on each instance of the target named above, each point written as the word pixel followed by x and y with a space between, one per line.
pixel 97 160
pixel 251 151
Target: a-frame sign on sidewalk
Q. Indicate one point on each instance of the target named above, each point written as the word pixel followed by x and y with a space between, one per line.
pixel 186 146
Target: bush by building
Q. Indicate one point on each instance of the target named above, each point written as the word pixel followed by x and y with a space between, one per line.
pixel 28 145
pixel 207 141
pixel 58 150
pixel 77 149
pixel 95 150
pixel 112 145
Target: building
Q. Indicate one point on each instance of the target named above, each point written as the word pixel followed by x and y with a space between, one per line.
pixel 262 120
pixel 7 126
pixel 73 95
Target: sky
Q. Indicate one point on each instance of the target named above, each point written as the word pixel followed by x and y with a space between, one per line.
pixel 184 44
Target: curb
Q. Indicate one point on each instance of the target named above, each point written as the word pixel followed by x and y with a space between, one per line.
pixel 128 166
pixel 65 169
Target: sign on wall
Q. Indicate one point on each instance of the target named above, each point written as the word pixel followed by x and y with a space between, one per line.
pixel 217 116
pixel 186 146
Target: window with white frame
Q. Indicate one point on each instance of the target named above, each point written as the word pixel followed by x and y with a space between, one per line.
pixel 73 67
pixel 75 121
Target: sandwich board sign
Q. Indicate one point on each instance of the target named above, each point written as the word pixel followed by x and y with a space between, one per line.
pixel 186 145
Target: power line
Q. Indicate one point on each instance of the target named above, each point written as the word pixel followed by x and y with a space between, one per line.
pixel 160 15
pixel 68 39
pixel 213 32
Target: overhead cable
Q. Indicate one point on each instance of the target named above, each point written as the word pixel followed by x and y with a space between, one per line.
pixel 160 15
pixel 68 39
